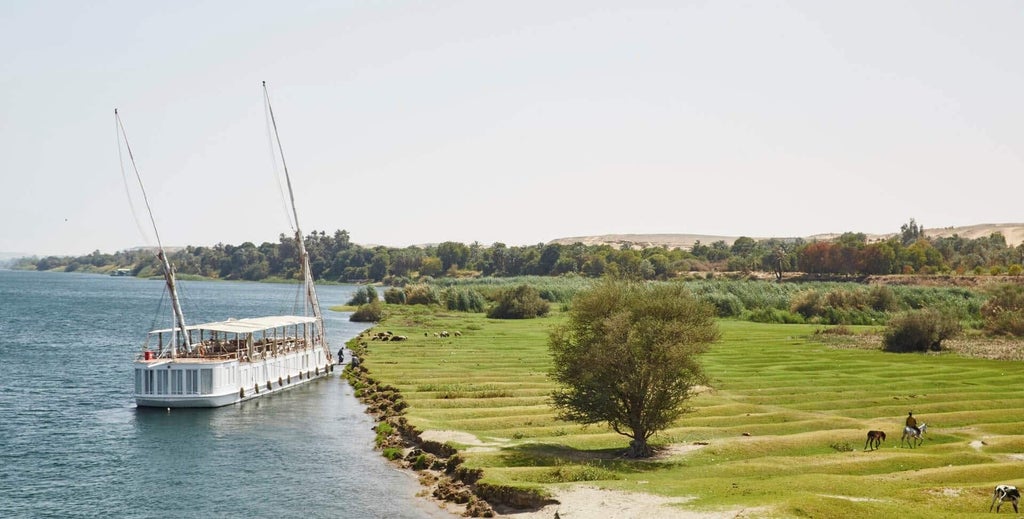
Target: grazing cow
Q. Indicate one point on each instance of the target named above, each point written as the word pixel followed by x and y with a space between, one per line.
pixel 458 333
pixel 1005 493
pixel 875 438
pixel 911 436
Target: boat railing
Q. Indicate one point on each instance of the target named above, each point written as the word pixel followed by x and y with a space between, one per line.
pixel 222 349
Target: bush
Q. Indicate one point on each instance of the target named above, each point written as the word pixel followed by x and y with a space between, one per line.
pixel 363 296
pixel 774 315
pixel 882 299
pixel 1004 311
pixel 464 299
pixel 421 294
pixel 919 330
pixel 522 302
pixel 808 303
pixel 394 296
pixel 726 304
pixel 368 313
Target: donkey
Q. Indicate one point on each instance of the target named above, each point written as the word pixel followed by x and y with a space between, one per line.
pixel 910 435
pixel 875 438
pixel 1005 493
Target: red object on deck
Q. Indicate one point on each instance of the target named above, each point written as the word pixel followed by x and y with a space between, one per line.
pixel 147 355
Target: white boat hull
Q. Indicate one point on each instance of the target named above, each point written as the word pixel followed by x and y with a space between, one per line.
pixel 190 382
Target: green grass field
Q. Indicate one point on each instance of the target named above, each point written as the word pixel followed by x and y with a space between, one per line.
pixel 781 429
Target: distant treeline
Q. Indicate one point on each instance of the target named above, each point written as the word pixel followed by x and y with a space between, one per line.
pixel 336 258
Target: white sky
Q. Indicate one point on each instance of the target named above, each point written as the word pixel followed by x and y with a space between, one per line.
pixel 516 121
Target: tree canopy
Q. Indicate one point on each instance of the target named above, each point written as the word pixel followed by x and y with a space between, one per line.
pixel 628 357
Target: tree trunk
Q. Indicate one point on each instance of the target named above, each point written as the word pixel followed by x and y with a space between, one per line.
pixel 638 448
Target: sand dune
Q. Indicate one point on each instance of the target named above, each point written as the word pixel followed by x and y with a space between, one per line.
pixel 1013 232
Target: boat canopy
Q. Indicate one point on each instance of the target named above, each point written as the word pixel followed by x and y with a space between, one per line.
pixel 248 325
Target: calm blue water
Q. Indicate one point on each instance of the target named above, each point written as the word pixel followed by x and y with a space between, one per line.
pixel 72 442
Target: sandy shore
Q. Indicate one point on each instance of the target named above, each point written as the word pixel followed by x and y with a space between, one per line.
pixel 584 501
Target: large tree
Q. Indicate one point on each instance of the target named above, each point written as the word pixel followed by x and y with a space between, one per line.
pixel 628 357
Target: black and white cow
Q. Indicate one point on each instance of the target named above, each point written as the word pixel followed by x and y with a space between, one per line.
pixel 1005 493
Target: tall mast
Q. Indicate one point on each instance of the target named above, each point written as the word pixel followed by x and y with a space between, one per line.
pixel 307 274
pixel 179 317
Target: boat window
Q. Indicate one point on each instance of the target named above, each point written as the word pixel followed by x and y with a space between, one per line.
pixel 192 381
pixel 149 381
pixel 161 382
pixel 206 384
pixel 177 387
pixel 138 381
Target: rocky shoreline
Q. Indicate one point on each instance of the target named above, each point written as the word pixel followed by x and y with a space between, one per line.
pixel 439 466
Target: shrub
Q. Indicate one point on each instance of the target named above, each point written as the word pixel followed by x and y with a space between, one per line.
pixel 522 302
pixel 394 296
pixel 774 315
pixel 363 296
pixel 725 303
pixel 1003 313
pixel 464 299
pixel 421 294
pixel 808 303
pixel 919 330
pixel 882 299
pixel 368 313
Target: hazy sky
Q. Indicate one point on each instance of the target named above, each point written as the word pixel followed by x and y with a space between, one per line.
pixel 517 121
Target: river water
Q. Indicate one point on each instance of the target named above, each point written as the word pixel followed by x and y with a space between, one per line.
pixel 73 444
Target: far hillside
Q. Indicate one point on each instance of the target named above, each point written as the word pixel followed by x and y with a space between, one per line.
pixel 1013 232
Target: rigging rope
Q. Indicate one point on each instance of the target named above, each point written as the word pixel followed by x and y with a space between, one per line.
pixel 138 177
pixel 273 161
pixel 118 128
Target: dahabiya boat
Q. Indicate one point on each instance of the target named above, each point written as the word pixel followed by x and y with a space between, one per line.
pixel 221 363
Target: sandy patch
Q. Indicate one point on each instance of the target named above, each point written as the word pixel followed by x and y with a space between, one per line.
pixel 474 444
pixel 948 492
pixel 853 499
pixel 977 444
pixel 678 449
pixel 586 502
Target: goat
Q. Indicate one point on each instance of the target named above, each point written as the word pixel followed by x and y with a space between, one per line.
pixel 1005 493
pixel 875 438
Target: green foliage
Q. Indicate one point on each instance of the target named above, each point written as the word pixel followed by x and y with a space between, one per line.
pixel 882 298
pixel 774 315
pixel 628 357
pixel 726 304
pixel 383 430
pixel 809 303
pixel 394 296
pixel 463 299
pixel 422 294
pixel 522 302
pixel 335 258
pixel 1003 313
pixel 919 330
pixel 363 296
pixel 368 313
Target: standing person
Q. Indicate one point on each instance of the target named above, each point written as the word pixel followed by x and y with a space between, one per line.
pixel 912 422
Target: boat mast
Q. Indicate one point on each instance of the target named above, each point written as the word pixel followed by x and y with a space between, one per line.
pixel 307 274
pixel 179 317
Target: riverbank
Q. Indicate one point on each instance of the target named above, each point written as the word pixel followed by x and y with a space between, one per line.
pixel 779 433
